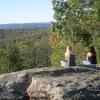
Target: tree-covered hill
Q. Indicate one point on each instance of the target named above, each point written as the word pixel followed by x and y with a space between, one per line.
pixel 24 25
pixel 24 48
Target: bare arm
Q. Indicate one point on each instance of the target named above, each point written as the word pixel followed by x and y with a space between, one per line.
pixel 89 54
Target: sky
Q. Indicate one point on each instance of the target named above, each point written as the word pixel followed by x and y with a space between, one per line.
pixel 25 11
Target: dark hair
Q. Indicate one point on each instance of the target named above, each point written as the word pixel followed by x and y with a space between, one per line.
pixel 92 59
pixel 91 49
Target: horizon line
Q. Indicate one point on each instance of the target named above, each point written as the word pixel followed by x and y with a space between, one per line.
pixel 26 22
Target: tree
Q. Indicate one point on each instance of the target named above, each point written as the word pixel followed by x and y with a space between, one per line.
pixel 97 9
pixel 73 18
pixel 13 57
pixel 76 22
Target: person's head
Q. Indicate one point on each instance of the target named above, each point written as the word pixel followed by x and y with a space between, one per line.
pixel 91 49
pixel 68 50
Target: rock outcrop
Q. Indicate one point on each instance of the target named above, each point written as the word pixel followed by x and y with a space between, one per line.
pixel 73 83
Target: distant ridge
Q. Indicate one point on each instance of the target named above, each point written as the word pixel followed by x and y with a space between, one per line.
pixel 24 25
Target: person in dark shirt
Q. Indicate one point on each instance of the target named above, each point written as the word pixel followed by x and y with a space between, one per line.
pixel 91 55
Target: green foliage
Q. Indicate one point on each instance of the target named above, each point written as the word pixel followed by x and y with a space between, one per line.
pixel 13 57
pixel 71 15
pixel 97 10
pixel 56 56
pixel 24 49
pixel 78 23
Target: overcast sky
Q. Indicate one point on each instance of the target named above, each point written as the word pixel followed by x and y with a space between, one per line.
pixel 25 11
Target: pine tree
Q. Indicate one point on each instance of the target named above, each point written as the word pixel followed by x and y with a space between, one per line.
pixel 14 58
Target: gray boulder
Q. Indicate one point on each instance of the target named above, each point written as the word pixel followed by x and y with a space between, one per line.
pixel 66 84
pixel 73 83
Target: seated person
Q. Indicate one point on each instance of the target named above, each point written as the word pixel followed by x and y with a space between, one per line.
pixel 91 55
pixel 70 57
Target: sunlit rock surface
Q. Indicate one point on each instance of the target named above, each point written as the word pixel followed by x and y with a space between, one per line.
pixel 65 83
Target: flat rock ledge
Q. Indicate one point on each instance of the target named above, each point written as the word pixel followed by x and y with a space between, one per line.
pixel 48 83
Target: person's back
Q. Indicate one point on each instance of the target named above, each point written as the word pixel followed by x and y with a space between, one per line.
pixel 71 61
pixel 70 57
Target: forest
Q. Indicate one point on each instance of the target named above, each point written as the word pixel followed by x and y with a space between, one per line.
pixel 77 24
pixel 24 49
